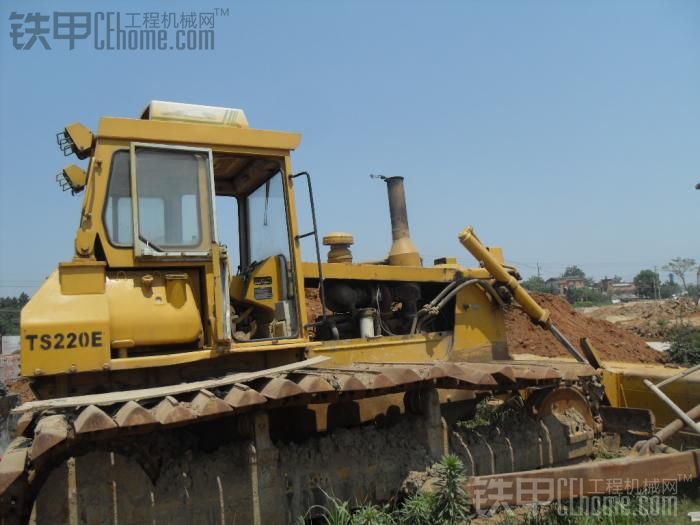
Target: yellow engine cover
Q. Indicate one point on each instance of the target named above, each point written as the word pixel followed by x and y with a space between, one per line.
pixel 80 315
pixel 152 309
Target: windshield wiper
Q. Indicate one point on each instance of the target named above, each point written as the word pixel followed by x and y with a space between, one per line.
pixel 151 244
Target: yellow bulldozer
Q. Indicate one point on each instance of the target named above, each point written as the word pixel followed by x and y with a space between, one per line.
pixel 181 380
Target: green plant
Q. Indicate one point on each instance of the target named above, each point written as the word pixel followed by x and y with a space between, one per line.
pixel 448 505
pixel 334 512
pixel 451 502
pixel 509 517
pixel 416 510
pixel 548 515
pixel 372 515
pixel 483 414
pixel 487 413
pixel 685 345
pixel 628 509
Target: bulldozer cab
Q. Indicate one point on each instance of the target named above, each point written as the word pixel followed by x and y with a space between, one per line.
pixel 186 247
pixel 262 284
pixel 163 203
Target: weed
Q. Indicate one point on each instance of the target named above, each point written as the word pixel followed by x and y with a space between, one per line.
pixel 489 414
pixel 685 345
pixel 372 515
pixel 416 510
pixel 448 505
pixel 451 502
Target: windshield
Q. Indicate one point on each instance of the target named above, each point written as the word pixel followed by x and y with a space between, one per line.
pixel 173 197
pixel 267 221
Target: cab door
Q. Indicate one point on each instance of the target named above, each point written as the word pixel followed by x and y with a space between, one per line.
pixel 173 216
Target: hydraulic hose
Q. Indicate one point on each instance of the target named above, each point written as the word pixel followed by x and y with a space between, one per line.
pixel 446 294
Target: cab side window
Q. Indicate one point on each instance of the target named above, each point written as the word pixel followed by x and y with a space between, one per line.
pixel 118 217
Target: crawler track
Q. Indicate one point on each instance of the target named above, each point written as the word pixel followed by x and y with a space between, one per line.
pixel 51 431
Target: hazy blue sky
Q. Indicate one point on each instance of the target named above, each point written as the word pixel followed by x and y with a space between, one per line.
pixel 565 132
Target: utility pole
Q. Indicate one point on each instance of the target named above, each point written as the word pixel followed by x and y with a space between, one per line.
pixel 657 285
pixel 539 276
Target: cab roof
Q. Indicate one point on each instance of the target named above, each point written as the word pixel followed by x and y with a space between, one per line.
pixel 195 125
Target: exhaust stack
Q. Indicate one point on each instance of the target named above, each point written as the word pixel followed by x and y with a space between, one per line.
pixel 403 252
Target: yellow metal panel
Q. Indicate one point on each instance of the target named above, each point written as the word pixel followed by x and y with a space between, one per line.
pixel 161 360
pixel 384 272
pixel 265 284
pixel 409 348
pixel 64 333
pixel 82 138
pixel 222 320
pixel 194 134
pixel 82 277
pixel 276 344
pixel 632 392
pixel 611 383
pixel 479 325
pixel 162 312
pixel 199 355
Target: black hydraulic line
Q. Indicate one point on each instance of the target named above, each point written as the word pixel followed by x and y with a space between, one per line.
pixel 446 295
pixel 427 307
pixel 447 289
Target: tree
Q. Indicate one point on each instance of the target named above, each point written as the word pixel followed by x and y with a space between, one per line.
pixel 573 271
pixel 668 289
pixel 647 283
pixel 586 295
pixel 679 266
pixel 9 313
pixel 535 284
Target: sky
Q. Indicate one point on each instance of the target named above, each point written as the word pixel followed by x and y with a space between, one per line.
pixel 564 132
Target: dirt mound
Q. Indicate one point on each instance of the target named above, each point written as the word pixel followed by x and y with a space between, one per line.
pixel 612 342
pixel 20 387
pixel 648 319
pixel 313 304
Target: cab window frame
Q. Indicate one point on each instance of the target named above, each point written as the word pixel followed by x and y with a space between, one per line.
pixel 143 249
pixel 107 223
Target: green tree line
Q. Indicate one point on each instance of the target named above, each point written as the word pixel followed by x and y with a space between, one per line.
pixel 10 307
pixel 648 283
